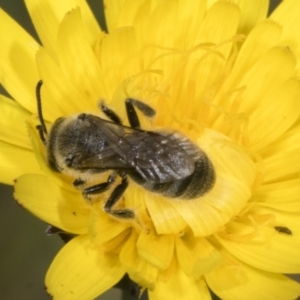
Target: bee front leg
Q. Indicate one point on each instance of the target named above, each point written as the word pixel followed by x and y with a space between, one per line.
pixel 95 189
pixel 132 114
pixel 110 114
pixel 113 199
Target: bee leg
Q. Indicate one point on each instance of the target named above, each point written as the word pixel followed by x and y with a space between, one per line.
pixel 132 114
pixel 110 114
pixel 96 189
pixel 113 199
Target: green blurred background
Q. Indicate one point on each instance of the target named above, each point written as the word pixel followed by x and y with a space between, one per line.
pixel 25 250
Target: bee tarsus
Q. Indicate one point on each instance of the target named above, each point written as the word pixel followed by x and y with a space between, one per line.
pixel 114 198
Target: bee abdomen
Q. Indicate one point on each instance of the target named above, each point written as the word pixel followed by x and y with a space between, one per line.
pixel 195 185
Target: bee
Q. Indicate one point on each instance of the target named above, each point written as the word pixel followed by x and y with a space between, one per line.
pixel 161 161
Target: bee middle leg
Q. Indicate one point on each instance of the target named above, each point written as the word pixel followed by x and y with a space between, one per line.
pixel 114 198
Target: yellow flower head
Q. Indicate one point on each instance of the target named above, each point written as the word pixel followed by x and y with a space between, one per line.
pixel 223 80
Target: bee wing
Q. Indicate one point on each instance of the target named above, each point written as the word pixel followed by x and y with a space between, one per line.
pixel 159 156
pixel 106 151
pixel 104 160
pixel 164 156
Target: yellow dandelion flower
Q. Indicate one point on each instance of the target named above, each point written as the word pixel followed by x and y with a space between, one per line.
pixel 219 73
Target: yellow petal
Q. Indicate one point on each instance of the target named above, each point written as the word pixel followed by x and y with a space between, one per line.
pixel 13 129
pixel 179 286
pixel 288 140
pixel 166 219
pixel 210 212
pixel 47 15
pixel 112 9
pixel 79 271
pixel 119 59
pixel 196 256
pixel 259 41
pixel 222 150
pixel 136 13
pixel 240 281
pixel 77 59
pixel 52 204
pixel 281 164
pixel 285 148
pixel 219 27
pixel 16 161
pixel 282 196
pixel 287 15
pixel 190 19
pixel 156 249
pixel 220 23
pixel 276 73
pixel 59 96
pixel 165 22
pixel 137 268
pixel 252 13
pixel 103 228
pixel 275 116
pixel 257 94
pixel 271 250
pixel 18 50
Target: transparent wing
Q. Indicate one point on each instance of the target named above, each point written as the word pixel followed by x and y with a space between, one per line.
pixel 104 160
pixel 159 156
pixel 164 156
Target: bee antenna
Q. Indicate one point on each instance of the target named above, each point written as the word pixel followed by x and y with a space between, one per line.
pixel 42 127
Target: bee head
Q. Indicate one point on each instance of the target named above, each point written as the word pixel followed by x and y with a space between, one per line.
pixel 68 138
pixel 67 142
